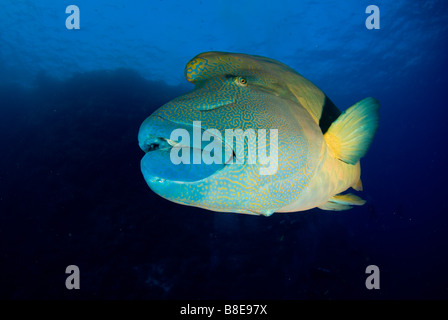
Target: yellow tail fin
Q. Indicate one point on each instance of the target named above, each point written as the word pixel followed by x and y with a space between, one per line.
pixel 352 133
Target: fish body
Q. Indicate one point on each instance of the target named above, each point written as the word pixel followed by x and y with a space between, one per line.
pixel 284 146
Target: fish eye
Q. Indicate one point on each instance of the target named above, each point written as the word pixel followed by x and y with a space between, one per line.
pixel 241 81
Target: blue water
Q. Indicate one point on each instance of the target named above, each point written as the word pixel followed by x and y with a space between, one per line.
pixel 71 190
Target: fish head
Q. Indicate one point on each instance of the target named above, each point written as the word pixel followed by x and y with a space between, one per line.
pixel 239 142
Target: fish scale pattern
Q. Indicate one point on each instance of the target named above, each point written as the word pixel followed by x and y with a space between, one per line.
pixel 220 102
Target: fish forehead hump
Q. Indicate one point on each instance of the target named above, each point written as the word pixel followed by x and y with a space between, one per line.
pixel 211 64
pixel 274 74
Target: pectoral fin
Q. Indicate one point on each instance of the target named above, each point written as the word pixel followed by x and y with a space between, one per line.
pixel 342 202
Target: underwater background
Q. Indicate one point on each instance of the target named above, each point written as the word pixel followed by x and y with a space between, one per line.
pixel 71 189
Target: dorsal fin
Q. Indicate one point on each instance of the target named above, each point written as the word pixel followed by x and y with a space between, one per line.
pixel 309 96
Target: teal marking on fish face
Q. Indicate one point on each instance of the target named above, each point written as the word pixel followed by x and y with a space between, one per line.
pixel 233 91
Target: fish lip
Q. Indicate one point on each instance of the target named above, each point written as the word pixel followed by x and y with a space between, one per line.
pixel 154 136
pixel 156 141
